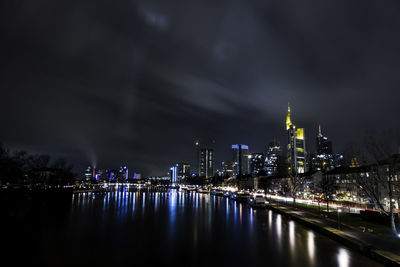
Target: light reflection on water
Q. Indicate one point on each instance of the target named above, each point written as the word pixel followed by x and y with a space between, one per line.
pixel 192 221
pixel 343 258
pixel 270 220
pixel 279 226
pixel 311 246
pixel 291 235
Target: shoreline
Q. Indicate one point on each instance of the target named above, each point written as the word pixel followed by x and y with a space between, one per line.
pixel 381 256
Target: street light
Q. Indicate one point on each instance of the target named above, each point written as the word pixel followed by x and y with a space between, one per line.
pixel 338 212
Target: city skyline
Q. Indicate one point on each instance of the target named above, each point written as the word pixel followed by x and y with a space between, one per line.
pixel 312 150
pixel 321 157
pixel 126 84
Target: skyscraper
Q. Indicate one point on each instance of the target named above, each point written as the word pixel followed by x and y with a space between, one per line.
pixel 89 173
pixel 271 158
pixel 241 159
pixel 173 172
pixel 122 174
pixel 296 149
pixel 324 159
pixel 323 145
pixel 228 168
pixel 179 172
pixel 183 171
pixel 206 162
pixel 256 163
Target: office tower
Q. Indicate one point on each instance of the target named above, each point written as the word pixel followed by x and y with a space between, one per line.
pixel 122 174
pixel 339 160
pixel 324 159
pixel 256 163
pixel 173 172
pixel 323 145
pixel 228 168
pixel 241 159
pixel 182 171
pixel 111 175
pixel 89 173
pixel 296 149
pixel 271 159
pixel 206 162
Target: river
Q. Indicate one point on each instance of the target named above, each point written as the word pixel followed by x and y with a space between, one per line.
pixel 125 227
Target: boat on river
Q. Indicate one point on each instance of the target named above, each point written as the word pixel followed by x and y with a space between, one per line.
pixel 258 201
pixel 217 192
pixel 241 196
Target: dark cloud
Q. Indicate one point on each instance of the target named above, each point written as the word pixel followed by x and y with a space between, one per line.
pixel 136 82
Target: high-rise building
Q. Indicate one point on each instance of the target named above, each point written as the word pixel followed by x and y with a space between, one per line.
pixel 271 158
pixel 228 168
pixel 111 175
pixel 256 163
pixel 182 171
pixel 339 160
pixel 296 149
pixel 173 172
pixel 89 173
pixel 122 174
pixel 206 162
pixel 98 175
pixel 241 159
pixel 323 145
pixel 324 159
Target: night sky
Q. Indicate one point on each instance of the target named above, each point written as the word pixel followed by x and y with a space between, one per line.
pixel 137 82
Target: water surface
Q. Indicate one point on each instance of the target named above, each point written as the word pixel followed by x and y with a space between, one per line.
pixel 165 228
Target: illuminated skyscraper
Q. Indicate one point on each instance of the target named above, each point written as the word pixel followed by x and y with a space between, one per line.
pixel 256 163
pixel 89 173
pixel 206 162
pixel 182 171
pixel 271 159
pixel 324 159
pixel 296 149
pixel 173 172
pixel 111 175
pixel 122 174
pixel 241 159
pixel 228 168
pixel 323 145
pixel 179 172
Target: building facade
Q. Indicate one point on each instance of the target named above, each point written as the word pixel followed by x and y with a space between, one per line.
pixel 256 163
pixel 271 158
pixel 228 168
pixel 206 162
pixel 296 149
pixel 183 171
pixel 324 159
pixel 123 174
pixel 240 159
pixel 89 173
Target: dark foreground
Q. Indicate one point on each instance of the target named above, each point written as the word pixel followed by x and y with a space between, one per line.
pixel 170 228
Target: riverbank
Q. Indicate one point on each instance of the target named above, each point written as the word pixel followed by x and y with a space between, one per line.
pixel 343 235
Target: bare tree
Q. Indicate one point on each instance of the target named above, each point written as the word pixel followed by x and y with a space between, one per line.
pixel 326 186
pixel 380 177
pixel 385 168
pixel 295 183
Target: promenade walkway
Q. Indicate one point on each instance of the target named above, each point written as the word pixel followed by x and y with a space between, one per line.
pixel 368 242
